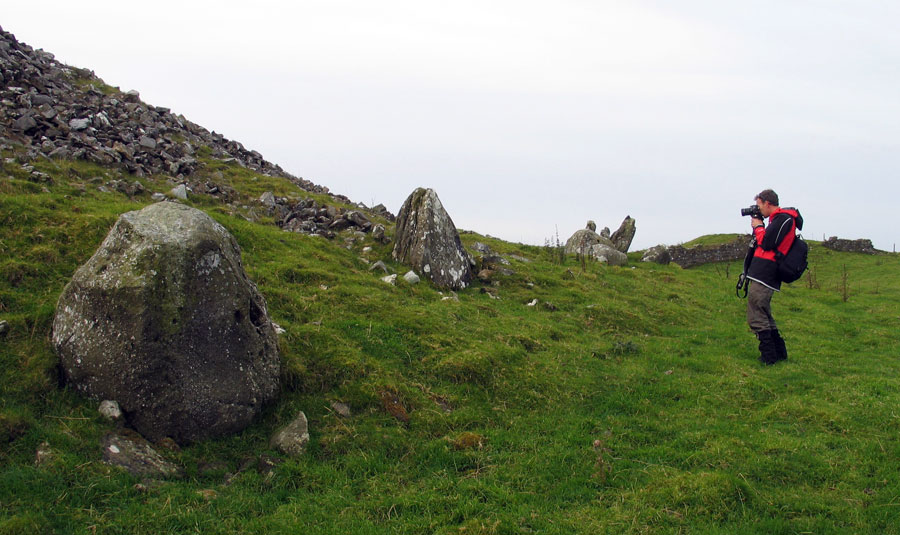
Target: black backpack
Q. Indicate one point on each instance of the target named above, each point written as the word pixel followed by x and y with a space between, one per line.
pixel 792 265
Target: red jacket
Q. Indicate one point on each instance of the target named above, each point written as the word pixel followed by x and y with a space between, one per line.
pixel 777 237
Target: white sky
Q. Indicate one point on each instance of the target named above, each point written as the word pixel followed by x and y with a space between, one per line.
pixel 531 116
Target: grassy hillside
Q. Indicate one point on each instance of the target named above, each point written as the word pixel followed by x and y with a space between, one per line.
pixel 629 400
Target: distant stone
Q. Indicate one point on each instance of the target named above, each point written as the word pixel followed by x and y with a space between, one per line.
pixel 267 199
pixel 427 240
pixel 79 124
pixel 147 142
pixel 164 320
pixel 605 232
pixel 110 410
pixel 179 192
pixel 132 96
pixel 378 233
pixel 25 123
pixel 624 235
pixel 411 277
pixel 658 254
pixel 582 240
pixel 47 111
pixel 608 255
pixel 157 197
pixel 591 226
pixel 292 438
pixel 380 265
pixel 486 275
pixel 342 409
pixel 482 248
pixel 101 120
pixel 136 456
pixel 358 219
pixel 4 328
pixel 390 279
pixel 41 100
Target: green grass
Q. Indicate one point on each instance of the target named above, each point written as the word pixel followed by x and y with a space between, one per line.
pixel 711 239
pixel 629 400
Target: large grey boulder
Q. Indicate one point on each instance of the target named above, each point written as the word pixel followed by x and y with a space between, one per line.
pixel 163 320
pixel 608 255
pixel 582 241
pixel 427 240
pixel 623 236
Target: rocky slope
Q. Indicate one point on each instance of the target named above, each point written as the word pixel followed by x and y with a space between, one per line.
pixel 58 111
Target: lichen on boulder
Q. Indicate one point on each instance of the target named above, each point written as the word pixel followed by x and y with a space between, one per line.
pixel 427 240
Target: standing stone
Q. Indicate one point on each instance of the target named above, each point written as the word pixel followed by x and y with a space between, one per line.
pixel 622 237
pixel 426 239
pixel 164 320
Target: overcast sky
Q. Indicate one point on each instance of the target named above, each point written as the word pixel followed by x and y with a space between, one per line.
pixel 531 116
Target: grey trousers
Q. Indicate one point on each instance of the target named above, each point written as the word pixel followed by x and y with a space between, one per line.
pixel 759 307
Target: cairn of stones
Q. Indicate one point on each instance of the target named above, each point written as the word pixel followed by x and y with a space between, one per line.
pixel 58 111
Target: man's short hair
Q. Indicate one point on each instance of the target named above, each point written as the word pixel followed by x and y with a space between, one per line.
pixel 767 195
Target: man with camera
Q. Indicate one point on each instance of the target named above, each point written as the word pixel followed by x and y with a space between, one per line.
pixel 771 243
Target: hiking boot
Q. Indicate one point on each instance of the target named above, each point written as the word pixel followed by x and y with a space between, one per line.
pixel 768 353
pixel 780 349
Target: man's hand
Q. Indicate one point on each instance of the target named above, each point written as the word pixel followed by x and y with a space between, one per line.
pixel 755 222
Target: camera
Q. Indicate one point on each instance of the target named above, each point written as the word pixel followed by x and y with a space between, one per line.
pixel 752 211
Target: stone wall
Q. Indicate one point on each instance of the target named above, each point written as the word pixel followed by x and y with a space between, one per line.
pixel 705 254
pixel 850 246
